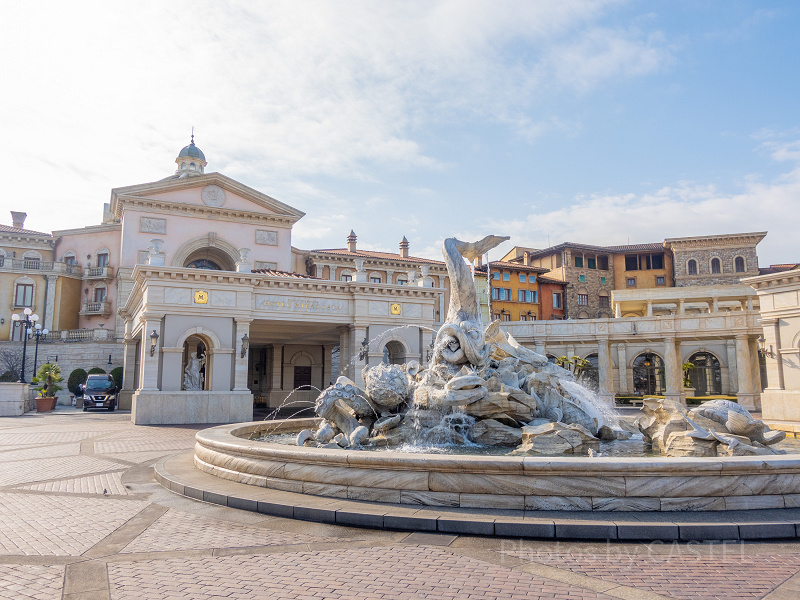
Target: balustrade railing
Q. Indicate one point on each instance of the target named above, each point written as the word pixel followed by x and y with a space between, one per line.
pixel 34 264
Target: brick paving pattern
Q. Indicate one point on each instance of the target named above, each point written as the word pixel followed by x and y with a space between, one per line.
pixel 31 582
pixel 52 468
pixel 94 484
pixel 392 573
pixel 42 437
pixel 717 576
pixel 138 457
pixel 33 524
pixel 37 452
pixel 182 531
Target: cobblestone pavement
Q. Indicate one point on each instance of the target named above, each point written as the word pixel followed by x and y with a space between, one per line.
pixel 81 517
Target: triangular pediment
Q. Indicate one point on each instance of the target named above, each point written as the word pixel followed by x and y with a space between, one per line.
pixel 210 192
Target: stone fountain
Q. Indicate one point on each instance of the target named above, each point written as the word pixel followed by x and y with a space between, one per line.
pixel 482 387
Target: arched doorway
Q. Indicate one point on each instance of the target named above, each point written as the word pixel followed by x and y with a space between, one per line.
pixel 590 377
pixel 394 353
pixel 706 376
pixel 648 375
pixel 195 364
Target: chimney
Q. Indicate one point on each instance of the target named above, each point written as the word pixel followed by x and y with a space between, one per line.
pixel 404 248
pixel 18 219
pixel 351 241
pixel 526 258
pixel 478 262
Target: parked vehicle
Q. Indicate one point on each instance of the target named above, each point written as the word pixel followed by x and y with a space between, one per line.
pixel 100 391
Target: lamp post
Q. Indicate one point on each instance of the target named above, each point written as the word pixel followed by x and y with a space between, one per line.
pixel 37 332
pixel 26 323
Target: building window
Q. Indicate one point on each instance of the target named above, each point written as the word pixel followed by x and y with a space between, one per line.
pixel 535 297
pixel 374 279
pixel 738 264
pixel 604 302
pixel 658 261
pixel 591 263
pixel 496 275
pixel 402 281
pixel 99 294
pixel 496 317
pixel 631 281
pixel 524 295
pixel 501 294
pixel 579 262
pixel 557 300
pixel 661 280
pixel 506 316
pixel 582 278
pixel 522 278
pixel 302 377
pixel 602 263
pixel 102 259
pixel 716 266
pixel 506 276
pixel 692 267
pixel 602 281
pixel 523 317
pixel 347 278
pixel 631 262
pixel 531 278
pixel 583 299
pixel 31 262
pixel 23 295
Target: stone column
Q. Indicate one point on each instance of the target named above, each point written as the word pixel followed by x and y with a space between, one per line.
pixel 715 304
pixel 240 363
pixel 318 270
pixel 328 376
pixel 539 347
pixel 622 361
pixel 733 377
pixel 756 369
pixel 345 354
pixel 617 310
pixel 389 276
pixel 150 365
pixel 277 367
pixel 50 308
pixel 332 272
pixel 604 367
pixel 674 374
pixel 773 327
pixel 681 307
pixel 746 396
pixel 649 308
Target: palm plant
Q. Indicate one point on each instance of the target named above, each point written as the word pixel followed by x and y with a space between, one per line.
pixel 49 376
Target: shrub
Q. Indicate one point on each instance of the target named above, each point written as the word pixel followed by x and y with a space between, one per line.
pixel 76 378
pixel 96 371
pixel 9 376
pixel 116 373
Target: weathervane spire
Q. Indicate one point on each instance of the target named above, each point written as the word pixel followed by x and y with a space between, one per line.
pixel 193 134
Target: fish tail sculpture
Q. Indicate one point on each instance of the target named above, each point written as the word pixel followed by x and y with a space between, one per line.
pixel 461 339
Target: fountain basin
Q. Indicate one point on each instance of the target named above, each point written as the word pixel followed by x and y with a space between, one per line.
pixel 498 482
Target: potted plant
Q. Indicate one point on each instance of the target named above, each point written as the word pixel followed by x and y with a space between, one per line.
pixel 48 377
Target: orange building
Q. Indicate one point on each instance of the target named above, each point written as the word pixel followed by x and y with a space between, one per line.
pixel 515 291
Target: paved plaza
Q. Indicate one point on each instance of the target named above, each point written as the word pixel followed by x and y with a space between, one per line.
pixel 82 517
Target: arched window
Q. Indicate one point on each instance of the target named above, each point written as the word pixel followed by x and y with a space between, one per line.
pixel 394 353
pixel 346 276
pixel 716 265
pixel 99 293
pixel 23 293
pixel 706 376
pixel 739 265
pixel 201 263
pixel 2 257
pixel 102 258
pixel 648 375
pixel 692 267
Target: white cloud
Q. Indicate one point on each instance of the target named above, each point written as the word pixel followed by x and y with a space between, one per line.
pixel 680 210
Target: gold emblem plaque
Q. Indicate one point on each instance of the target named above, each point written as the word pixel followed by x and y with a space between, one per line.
pixel 201 297
pixel 396 309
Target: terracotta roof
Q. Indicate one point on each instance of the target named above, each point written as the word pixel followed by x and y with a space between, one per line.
pixel 9 229
pixel 654 247
pixel 551 280
pixel 778 268
pixel 511 266
pixel 276 273
pixel 377 255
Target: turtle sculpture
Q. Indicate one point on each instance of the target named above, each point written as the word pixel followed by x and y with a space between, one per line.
pixel 480 386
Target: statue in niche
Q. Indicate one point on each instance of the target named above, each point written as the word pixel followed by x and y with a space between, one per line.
pixel 192 375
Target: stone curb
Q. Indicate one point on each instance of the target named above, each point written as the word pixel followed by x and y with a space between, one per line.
pixel 706 526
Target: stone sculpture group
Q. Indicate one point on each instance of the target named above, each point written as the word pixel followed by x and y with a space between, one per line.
pixel 482 387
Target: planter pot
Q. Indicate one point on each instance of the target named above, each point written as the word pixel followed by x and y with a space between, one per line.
pixel 45 404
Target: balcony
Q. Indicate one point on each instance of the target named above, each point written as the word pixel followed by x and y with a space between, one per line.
pixel 41 266
pixel 90 309
pixel 104 272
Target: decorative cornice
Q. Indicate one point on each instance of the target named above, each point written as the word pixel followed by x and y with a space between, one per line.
pixel 726 240
pixel 396 264
pixel 219 213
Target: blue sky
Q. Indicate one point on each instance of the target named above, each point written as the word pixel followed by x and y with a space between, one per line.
pixel 595 122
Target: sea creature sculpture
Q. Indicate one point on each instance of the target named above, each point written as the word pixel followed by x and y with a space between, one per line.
pixel 739 421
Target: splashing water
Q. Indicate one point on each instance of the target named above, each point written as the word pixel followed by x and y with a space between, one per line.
pixel 592 403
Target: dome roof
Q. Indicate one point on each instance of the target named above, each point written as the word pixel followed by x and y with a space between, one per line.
pixel 192 151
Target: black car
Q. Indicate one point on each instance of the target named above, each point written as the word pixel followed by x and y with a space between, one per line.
pixel 99 391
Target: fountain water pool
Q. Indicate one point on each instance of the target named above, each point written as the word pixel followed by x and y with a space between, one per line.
pixel 481 386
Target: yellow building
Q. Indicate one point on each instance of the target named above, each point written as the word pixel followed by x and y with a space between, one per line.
pixel 643 266
pixel 514 289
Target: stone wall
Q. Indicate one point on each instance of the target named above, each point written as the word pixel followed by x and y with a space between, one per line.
pixel 74 355
pixel 592 286
pixel 703 256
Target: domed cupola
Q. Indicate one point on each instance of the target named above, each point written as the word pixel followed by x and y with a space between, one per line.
pixel 190 161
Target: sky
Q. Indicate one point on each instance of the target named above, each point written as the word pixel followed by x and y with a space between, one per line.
pixel 601 122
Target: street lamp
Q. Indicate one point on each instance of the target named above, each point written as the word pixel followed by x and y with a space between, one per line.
pixel 153 342
pixel 37 332
pixel 27 322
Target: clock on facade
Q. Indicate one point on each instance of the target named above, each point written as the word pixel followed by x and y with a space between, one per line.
pixel 395 309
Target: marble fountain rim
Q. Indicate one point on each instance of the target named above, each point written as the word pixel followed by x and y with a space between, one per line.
pixel 224 438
